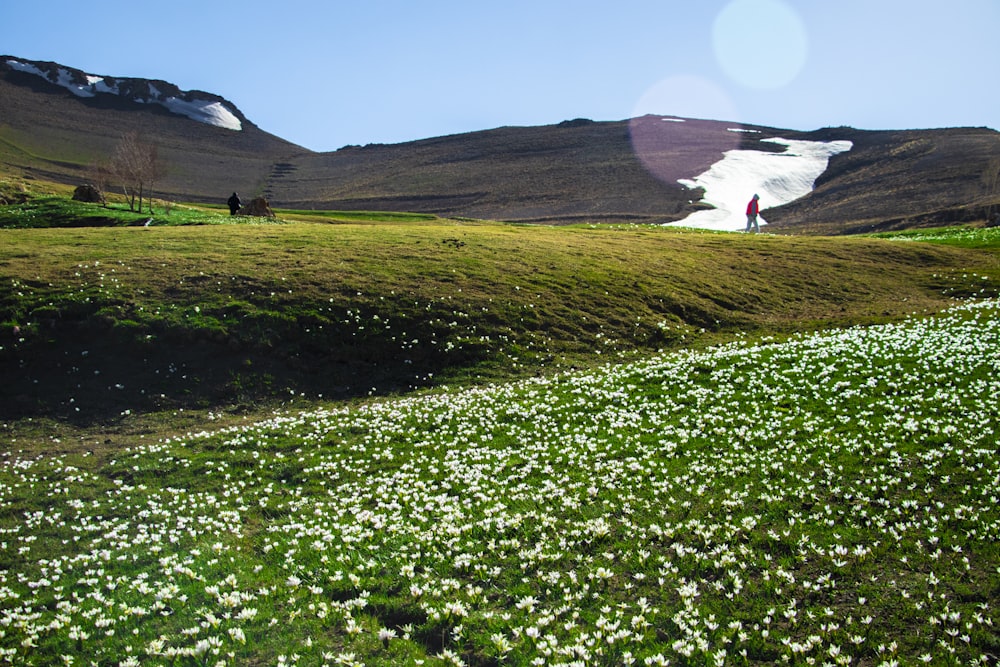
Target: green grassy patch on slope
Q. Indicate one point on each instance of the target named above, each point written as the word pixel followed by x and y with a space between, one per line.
pixel 965 236
pixel 57 211
pixel 99 321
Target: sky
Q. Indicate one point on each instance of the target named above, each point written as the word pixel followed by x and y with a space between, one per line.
pixel 328 73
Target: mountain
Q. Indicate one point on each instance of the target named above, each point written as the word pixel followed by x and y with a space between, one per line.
pixel 56 121
pixel 203 107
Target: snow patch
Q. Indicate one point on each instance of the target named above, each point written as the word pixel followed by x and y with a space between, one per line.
pixel 673 120
pixel 24 67
pixel 779 178
pixel 211 112
pixel 205 111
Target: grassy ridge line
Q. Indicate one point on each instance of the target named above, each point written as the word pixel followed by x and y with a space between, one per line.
pixel 58 211
pixel 116 319
pixel 826 500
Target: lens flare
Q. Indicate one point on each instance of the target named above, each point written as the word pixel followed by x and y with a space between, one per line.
pixel 760 44
pixel 668 132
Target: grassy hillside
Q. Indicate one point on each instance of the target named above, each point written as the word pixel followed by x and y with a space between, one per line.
pixel 587 444
pixel 97 322
pixel 828 500
pixel 640 496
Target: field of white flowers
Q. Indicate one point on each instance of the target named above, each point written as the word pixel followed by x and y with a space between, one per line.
pixel 828 500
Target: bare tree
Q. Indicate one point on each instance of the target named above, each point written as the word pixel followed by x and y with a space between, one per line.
pixel 125 167
pixel 991 179
pixel 154 171
pixel 135 163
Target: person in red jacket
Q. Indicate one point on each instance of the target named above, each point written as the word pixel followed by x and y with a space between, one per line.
pixel 753 208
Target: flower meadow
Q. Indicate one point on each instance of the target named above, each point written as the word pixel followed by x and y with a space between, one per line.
pixel 831 499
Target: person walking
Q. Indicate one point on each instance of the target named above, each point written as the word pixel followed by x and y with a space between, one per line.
pixel 753 209
pixel 234 203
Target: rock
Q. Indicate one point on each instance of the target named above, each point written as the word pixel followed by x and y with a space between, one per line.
pixel 88 193
pixel 257 207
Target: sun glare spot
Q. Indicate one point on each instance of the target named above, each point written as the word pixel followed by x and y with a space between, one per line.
pixel 672 99
pixel 760 43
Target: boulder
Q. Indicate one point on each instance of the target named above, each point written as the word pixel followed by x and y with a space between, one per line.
pixel 257 207
pixel 88 193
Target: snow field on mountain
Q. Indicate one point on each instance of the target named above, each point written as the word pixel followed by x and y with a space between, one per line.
pixel 779 178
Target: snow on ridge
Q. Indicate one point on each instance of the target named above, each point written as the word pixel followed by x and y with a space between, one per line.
pixel 211 112
pixel 205 111
pixel 779 178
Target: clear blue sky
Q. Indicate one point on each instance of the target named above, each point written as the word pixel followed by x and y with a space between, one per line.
pixel 326 73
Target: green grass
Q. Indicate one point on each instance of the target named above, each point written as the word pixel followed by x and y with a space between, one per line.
pixel 356 216
pixel 96 322
pixel 830 499
pixel 58 211
pixel 524 445
pixel 963 236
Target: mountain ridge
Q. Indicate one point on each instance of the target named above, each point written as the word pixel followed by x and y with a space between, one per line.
pixel 574 171
pixel 195 104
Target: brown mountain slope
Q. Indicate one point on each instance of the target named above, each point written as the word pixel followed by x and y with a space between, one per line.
pixel 47 132
pixel 899 179
pixel 574 171
pixel 577 170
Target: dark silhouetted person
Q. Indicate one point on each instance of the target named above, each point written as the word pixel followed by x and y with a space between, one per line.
pixel 753 209
pixel 234 203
